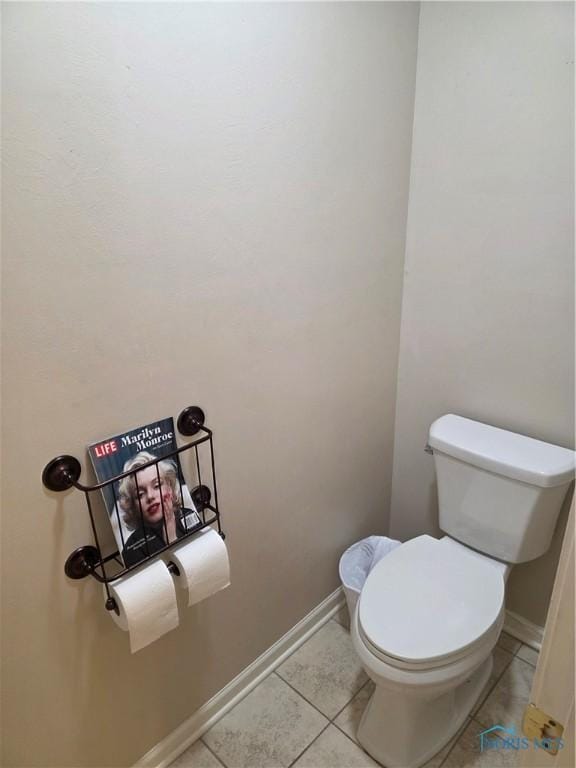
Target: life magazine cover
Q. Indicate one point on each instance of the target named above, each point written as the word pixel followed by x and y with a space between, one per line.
pixel 153 506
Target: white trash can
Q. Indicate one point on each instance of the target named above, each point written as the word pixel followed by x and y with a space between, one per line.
pixel 357 562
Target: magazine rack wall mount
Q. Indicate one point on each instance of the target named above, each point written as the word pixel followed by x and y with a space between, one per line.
pixel 63 473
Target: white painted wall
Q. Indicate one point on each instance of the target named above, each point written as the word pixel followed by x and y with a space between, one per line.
pixel 203 203
pixel 488 304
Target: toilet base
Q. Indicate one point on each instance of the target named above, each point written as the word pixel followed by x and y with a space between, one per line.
pixel 407 731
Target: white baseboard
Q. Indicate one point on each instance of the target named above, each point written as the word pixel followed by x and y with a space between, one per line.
pixel 204 718
pixel 524 630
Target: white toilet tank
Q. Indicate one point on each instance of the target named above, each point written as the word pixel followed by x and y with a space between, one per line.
pixel 498 492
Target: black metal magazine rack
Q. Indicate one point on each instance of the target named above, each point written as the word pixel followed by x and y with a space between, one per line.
pixel 63 473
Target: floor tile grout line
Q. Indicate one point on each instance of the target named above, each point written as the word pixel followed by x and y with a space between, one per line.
pixel 472 717
pixel 523 645
pixel 517 649
pixel 307 747
pixel 463 728
pixel 335 724
pixel 484 699
pixel 503 648
pixel 331 719
pixel 349 702
pixel 489 693
pixel 472 720
pixel 356 744
pixel 222 763
pixel 275 672
pixel 478 722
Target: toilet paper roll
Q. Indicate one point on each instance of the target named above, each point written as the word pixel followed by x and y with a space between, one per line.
pixel 203 565
pixel 147 603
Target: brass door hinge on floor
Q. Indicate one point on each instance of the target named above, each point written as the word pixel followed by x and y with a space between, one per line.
pixel 540 727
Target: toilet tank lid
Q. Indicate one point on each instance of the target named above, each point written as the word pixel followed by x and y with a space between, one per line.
pixel 505 453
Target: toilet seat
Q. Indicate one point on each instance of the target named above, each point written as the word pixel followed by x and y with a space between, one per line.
pixel 428 604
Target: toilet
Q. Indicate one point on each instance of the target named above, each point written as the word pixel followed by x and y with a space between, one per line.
pixel 431 612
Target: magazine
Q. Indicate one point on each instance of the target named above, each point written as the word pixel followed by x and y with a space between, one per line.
pixel 153 506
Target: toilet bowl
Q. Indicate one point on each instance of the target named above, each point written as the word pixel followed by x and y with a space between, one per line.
pixel 430 613
pixel 424 629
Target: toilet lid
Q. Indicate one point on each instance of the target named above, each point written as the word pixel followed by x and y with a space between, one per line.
pixel 424 602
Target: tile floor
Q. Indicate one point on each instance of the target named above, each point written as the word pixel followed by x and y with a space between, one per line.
pixel 305 714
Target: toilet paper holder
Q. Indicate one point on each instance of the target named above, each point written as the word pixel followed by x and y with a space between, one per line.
pixel 63 473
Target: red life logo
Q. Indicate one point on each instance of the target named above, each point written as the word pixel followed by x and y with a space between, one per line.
pixel 105 449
